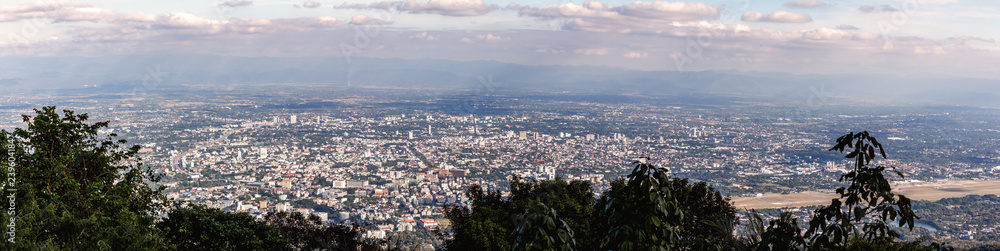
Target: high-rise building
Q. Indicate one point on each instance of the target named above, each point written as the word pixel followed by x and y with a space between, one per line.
pixel 275 119
pixel 263 153
pixel 523 135
pixel 293 119
pixel 411 135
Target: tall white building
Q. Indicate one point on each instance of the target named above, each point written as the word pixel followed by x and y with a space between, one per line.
pixel 293 119
pixel 263 153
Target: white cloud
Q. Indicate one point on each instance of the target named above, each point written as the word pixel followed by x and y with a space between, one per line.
pixel 804 4
pixel 668 10
pixel 448 7
pixel 641 17
pixel 366 20
pixel 440 7
pixel 424 36
pixel 960 40
pixel 57 11
pixel 847 27
pixel 311 4
pixel 636 11
pixel 873 9
pixel 776 17
pixel 634 54
pixel 490 38
pixel 385 5
pixel 237 3
pixel 592 51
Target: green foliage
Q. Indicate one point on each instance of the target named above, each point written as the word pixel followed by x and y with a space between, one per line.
pixel 484 226
pixel 781 234
pixel 310 234
pixel 709 217
pixel 572 200
pixel 541 229
pixel 489 222
pixel 869 200
pixel 77 189
pixel 650 211
pixel 643 214
pixel 196 227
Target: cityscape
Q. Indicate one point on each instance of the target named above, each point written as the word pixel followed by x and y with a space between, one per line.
pixel 386 157
pixel 527 125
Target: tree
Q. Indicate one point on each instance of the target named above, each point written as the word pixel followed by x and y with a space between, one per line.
pixel 541 229
pixel 869 200
pixel 76 188
pixel 709 217
pixel 482 226
pixel 490 220
pixel 311 234
pixel 643 214
pixel 197 227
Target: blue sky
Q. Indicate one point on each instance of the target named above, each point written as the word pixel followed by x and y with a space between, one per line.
pixel 945 37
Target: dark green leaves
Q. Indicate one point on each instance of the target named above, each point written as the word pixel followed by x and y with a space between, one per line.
pixel 868 193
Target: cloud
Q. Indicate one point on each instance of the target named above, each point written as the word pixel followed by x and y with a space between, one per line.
pixel 424 36
pixel 139 25
pixel 514 6
pixel 488 37
pixel 804 4
pixel 634 54
pixel 440 7
pixel 960 40
pixel 873 9
pixel 593 51
pixel 776 17
pixel 641 17
pixel 57 11
pixel 237 3
pixel 364 6
pixel 448 7
pixel 366 20
pixel 847 27
pixel 672 10
pixel 549 51
pixel 311 4
pixel 636 11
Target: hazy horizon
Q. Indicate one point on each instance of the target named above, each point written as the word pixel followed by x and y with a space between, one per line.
pixel 914 38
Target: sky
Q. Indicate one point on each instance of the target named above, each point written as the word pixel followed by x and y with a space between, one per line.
pixel 904 38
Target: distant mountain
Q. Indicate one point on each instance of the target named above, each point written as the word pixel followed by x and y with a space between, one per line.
pixel 75 72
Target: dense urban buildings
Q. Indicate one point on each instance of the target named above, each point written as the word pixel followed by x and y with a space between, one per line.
pixel 381 157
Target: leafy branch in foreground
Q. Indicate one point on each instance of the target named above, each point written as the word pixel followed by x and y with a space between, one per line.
pixel 869 199
pixel 643 215
pixel 82 189
pixel 541 229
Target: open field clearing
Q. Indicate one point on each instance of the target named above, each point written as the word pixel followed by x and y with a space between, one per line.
pixel 915 191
